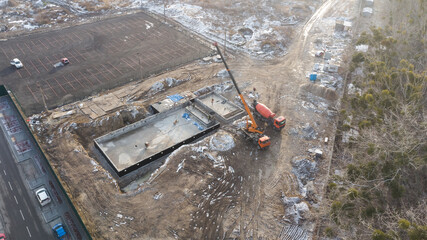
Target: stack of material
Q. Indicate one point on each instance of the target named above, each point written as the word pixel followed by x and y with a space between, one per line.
pixel 367 12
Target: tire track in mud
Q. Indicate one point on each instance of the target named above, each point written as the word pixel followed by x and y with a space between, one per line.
pixel 220 196
pixel 281 79
pixel 244 194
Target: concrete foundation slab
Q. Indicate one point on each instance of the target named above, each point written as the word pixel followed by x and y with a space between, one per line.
pixel 138 144
pixel 224 109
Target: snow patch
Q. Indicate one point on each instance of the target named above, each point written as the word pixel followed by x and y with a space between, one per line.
pixel 221 142
pixel 180 165
pixel 305 171
pixel 296 210
pixel 218 161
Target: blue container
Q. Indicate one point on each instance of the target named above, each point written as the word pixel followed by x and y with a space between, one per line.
pixel 313 77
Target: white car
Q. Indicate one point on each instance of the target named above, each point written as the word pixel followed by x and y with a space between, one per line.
pixel 43 196
pixel 17 63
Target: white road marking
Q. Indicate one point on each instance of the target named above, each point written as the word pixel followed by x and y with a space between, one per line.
pixel 10 186
pixel 4 172
pixel 22 215
pixel 28 230
pixel 16 200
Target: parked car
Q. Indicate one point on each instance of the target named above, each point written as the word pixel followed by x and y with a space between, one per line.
pixel 59 231
pixel 17 63
pixel 2 236
pixel 65 61
pixel 61 63
pixel 43 196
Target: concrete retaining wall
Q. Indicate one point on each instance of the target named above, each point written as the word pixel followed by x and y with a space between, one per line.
pixel 156 156
pixel 142 123
pixel 138 124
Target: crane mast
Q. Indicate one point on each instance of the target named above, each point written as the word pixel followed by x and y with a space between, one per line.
pixel 253 127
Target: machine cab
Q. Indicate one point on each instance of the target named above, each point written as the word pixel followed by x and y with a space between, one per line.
pixel 264 142
pixel 280 122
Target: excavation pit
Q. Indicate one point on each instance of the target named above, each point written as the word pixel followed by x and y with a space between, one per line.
pixel 140 143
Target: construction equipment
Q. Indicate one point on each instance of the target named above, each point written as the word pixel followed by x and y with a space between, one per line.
pixel 263 112
pixel 252 130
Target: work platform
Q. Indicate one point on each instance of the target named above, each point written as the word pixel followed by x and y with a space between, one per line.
pixel 222 109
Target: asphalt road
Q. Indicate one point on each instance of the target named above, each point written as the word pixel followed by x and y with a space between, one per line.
pixel 18 210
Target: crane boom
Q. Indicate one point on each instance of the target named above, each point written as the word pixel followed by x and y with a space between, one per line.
pixel 253 127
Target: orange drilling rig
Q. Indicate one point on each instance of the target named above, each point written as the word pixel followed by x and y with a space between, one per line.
pixel 251 130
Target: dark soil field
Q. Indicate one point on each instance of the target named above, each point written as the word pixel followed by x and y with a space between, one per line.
pixel 102 55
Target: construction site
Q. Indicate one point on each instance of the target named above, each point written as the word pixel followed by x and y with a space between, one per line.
pixel 156 132
pixel 156 136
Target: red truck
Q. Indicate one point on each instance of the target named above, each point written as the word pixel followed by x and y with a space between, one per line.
pixel 267 115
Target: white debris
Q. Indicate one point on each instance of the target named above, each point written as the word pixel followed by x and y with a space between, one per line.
pixel 346 136
pixel 223 74
pixel 199 149
pixel 367 12
pixel 95 165
pixel 148 25
pixel 218 161
pixel 353 89
pixel 296 210
pixel 180 165
pixel 119 215
pixel 158 196
pixel 362 48
pixel 170 81
pixel 339 173
pixel 221 142
pixel 260 37
pixel 134 111
pixel 305 171
pixel 156 87
pixel 3 3
pixel 240 123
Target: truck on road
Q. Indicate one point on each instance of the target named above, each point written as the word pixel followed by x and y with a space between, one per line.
pixel 263 112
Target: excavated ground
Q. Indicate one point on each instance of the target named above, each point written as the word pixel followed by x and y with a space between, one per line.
pixel 220 187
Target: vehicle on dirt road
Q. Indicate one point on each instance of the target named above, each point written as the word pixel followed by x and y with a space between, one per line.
pixel 252 131
pixel 43 196
pixel 59 231
pixel 265 114
pixel 17 63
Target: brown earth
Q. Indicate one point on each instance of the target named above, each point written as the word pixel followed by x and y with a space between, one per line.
pixel 239 199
